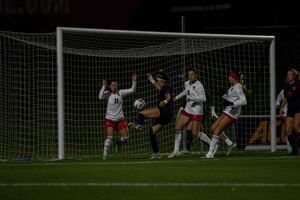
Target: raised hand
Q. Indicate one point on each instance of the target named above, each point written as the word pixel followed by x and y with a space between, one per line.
pixel 134 76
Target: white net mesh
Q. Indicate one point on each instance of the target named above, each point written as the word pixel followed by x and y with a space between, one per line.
pixel 29 82
pixel 28 113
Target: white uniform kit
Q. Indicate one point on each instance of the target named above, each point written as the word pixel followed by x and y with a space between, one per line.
pixel 114 110
pixel 235 94
pixel 195 93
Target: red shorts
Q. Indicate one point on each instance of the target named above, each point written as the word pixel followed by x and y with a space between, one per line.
pixel 119 125
pixel 197 118
pixel 229 117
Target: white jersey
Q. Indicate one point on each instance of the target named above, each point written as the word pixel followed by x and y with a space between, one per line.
pixel 114 110
pixel 279 99
pixel 235 94
pixel 195 97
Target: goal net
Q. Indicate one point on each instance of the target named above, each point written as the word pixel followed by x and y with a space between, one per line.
pixel 50 106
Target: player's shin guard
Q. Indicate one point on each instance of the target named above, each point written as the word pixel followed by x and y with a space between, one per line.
pixel 140 119
pixel 107 145
pixel 293 144
pixel 153 141
pixel 189 139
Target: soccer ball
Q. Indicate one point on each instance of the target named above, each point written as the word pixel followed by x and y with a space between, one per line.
pixel 139 104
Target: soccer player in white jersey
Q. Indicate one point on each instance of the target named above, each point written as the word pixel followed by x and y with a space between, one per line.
pixel 282 111
pixel 234 98
pixel 114 118
pixel 193 111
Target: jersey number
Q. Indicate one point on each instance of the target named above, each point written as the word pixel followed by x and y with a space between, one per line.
pixel 188 92
pixel 116 100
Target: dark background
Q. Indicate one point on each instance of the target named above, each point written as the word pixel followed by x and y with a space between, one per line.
pixel 279 18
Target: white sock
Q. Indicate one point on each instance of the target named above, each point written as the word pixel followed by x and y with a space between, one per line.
pixel 178 136
pixel 204 138
pixel 214 142
pixel 226 139
pixel 107 144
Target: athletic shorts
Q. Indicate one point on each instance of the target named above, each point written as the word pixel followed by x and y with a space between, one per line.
pixel 165 116
pixel 118 125
pixel 197 118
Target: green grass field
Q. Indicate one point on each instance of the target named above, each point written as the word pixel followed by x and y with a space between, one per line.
pixel 246 175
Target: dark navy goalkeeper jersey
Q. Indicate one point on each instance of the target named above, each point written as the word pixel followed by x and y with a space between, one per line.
pixel 292 94
pixel 161 96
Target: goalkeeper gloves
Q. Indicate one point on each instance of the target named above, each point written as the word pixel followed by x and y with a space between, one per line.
pixel 227 103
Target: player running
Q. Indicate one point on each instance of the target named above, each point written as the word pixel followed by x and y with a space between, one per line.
pixel 114 118
pixel 234 98
pixel 162 113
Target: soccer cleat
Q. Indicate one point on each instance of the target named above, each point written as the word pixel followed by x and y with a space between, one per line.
pixel 134 126
pixel 174 154
pixel 209 155
pixel 104 157
pixel 230 148
pixel 155 156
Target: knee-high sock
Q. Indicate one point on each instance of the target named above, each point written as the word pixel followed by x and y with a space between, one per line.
pixel 140 119
pixel 226 139
pixel 178 136
pixel 202 136
pixel 107 145
pixel 214 142
pixel 153 141
pixel 189 139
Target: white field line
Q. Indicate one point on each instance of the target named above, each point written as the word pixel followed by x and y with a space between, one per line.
pixel 170 184
pixel 201 159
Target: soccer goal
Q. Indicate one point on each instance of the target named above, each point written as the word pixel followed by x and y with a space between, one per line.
pixel 50 85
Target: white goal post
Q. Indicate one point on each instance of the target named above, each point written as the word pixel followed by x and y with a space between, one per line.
pixel 218 41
